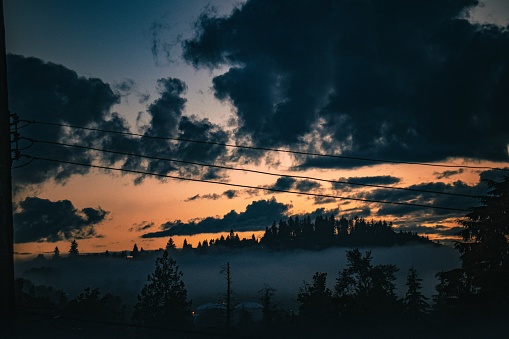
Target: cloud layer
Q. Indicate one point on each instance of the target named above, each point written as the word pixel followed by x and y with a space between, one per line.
pixel 52 93
pixel 258 215
pixel 393 80
pixel 37 219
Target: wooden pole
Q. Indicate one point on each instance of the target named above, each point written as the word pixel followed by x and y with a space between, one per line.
pixel 6 228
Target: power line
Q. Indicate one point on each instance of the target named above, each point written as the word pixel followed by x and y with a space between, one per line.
pixel 265 148
pixel 247 186
pixel 251 170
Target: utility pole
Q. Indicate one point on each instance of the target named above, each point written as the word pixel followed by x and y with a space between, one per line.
pixel 6 229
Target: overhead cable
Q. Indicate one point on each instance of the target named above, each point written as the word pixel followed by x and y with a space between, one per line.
pixel 266 148
pixel 250 170
pixel 246 186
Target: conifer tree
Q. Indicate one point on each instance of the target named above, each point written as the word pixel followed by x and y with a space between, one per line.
pixel 73 251
pixel 485 247
pixel 415 302
pixel 163 301
pixel 316 303
pixel 366 288
pixel 135 252
pixel 170 245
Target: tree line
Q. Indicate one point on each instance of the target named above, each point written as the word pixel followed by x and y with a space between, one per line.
pixel 293 233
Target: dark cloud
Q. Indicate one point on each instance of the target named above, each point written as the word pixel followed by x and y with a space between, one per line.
pixel 306 185
pixel 229 194
pixel 352 213
pixel 129 87
pixel 143 226
pixel 45 91
pixel 194 128
pixel 448 201
pixel 283 183
pixel 50 92
pixel 258 215
pixel 323 200
pixel 38 219
pixel 126 87
pixel 167 119
pixel 161 47
pixel 447 174
pixel 496 175
pixel 374 180
pixel 194 197
pixel 213 196
pixel 143 98
pixel 288 183
pixel 394 80
pixel 166 111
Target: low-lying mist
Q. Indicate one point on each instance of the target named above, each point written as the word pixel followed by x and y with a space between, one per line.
pixel 250 271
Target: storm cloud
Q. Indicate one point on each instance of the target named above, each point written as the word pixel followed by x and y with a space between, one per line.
pixel 43 91
pixel 39 90
pixel 37 219
pixel 258 215
pixel 288 183
pixel 419 196
pixel 388 80
pixel 447 174
pixel 346 184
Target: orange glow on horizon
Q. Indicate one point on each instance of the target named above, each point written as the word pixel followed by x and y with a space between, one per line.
pixel 156 202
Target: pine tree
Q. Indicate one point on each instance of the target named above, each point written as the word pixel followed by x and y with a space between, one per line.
pixel 485 247
pixel 316 303
pixel 135 252
pixel 170 245
pixel 366 288
pixel 186 246
pixel 163 301
pixel 415 302
pixel 74 248
pixel 56 253
pixel 90 306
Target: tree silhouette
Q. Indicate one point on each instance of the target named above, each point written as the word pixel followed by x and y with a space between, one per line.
pixel 56 253
pixel 89 305
pixel 163 301
pixel 42 299
pixel 415 302
pixel 186 246
pixel 73 251
pixel 485 249
pixel 228 295
pixel 170 245
pixel 455 289
pixel 135 252
pixel 364 288
pixel 316 304
pixel 266 296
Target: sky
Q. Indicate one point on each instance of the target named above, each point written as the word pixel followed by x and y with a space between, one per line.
pixel 395 81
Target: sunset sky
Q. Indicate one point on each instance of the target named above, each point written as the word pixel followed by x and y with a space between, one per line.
pixel 387 80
